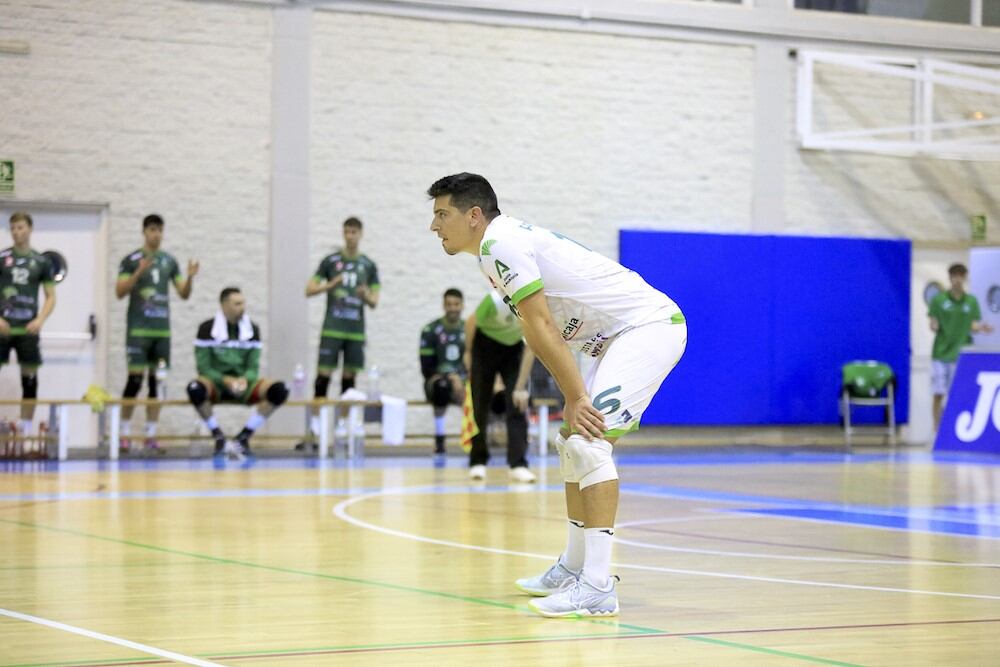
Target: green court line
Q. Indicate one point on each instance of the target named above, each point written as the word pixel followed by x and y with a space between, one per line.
pixel 636 630
pixel 772 651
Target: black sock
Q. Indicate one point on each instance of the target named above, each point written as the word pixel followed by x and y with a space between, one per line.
pixel 245 434
pixel 438 443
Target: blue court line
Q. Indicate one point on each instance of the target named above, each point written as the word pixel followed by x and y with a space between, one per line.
pixel 896 522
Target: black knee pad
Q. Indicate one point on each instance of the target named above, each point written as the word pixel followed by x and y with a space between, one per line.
pixel 277 393
pixel 346 383
pixel 197 393
pixel 29 386
pixel 152 386
pixel 321 386
pixel 132 386
pixel 441 393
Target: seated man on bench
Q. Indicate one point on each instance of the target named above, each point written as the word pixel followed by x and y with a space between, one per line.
pixel 227 354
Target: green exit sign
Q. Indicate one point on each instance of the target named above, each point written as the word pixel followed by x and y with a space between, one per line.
pixel 6 176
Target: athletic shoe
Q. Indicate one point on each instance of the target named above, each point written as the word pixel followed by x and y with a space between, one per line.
pixel 306 445
pixel 340 432
pixel 557 578
pixel 580 599
pixel 124 445
pixel 477 472
pixel 521 474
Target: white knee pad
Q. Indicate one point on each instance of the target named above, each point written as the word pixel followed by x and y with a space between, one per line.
pixel 591 460
pixel 565 466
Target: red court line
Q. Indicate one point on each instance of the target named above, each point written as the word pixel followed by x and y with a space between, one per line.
pixel 472 644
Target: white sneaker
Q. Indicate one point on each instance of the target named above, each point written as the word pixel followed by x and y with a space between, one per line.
pixel 477 472
pixel 557 578
pixel 340 432
pixel 521 474
pixel 580 599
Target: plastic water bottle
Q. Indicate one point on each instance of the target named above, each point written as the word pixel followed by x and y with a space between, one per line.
pixel 161 379
pixel 299 382
pixel 373 392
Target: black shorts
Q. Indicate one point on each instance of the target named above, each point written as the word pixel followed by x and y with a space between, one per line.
pixel 26 345
pixel 331 348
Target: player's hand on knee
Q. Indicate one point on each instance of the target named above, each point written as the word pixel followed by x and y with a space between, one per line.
pixel 4 327
pixel 520 399
pixel 583 418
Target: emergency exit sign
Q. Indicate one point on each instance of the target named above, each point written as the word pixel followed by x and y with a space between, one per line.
pixel 6 176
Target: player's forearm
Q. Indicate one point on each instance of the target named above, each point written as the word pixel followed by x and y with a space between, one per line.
pixel 184 288
pixel 314 287
pixel 524 371
pixel 125 285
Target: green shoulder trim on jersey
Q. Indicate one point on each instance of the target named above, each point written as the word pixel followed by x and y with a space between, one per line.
pixel 148 333
pixel 343 335
pixel 619 432
pixel 124 276
pixel 526 291
pixel 375 286
pixel 49 283
pixel 426 352
pixel 677 318
pixel 179 279
pixel 487 244
pixel 317 278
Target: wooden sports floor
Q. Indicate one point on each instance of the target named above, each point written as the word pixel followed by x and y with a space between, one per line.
pixel 745 557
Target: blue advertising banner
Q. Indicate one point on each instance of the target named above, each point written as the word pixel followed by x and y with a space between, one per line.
pixel 971 420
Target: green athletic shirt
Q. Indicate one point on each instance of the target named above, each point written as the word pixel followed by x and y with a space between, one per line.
pixel 20 277
pixel 442 347
pixel 345 311
pixel 149 300
pixel 955 318
pixel 496 320
pixel 217 358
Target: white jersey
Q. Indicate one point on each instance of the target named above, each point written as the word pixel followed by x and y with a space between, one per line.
pixel 592 298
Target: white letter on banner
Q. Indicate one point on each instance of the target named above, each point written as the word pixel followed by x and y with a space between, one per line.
pixel 970 426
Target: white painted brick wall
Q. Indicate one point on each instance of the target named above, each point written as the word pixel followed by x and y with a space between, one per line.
pixel 582 133
pixel 149 106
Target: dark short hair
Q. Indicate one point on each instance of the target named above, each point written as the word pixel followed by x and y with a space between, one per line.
pixel 22 216
pixel 453 291
pixel 353 222
pixel 226 292
pixel 152 220
pixel 958 270
pixel 467 190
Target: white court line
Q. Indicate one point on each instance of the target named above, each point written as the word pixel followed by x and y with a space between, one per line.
pixel 682 519
pixel 820 559
pixel 340 510
pixel 152 650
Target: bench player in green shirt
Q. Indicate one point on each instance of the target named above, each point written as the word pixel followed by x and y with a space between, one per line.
pixel 22 271
pixel 145 276
pixel 442 349
pixel 227 355
pixel 350 281
pixel 954 315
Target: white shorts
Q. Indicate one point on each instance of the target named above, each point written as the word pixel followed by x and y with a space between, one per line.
pixel 625 378
pixel 942 373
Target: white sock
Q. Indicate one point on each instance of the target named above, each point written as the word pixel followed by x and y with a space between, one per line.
pixel 314 424
pixel 24 426
pixel 597 564
pixel 125 429
pixel 572 558
pixel 212 423
pixel 439 425
pixel 256 421
pixel 150 429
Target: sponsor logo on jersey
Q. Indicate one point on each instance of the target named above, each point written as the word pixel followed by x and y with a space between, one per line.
pixel 595 345
pixel 508 278
pixel 487 244
pixel 572 328
pixel 501 268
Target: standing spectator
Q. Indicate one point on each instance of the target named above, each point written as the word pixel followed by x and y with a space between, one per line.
pixel 954 315
pixel 442 348
pixel 350 281
pixel 22 270
pixel 227 354
pixel 493 340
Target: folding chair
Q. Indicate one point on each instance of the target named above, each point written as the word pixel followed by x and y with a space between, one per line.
pixel 868 383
